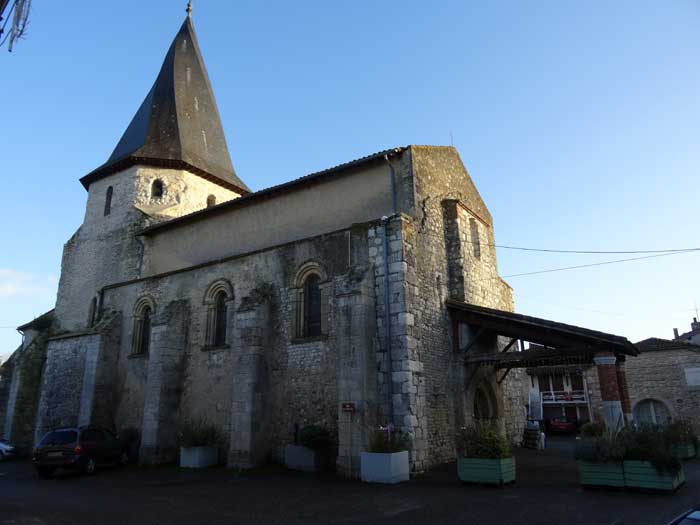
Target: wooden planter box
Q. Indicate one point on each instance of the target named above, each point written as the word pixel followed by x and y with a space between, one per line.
pixel 486 471
pixel 600 474
pixel 684 451
pixel 301 458
pixel 643 475
pixel 199 457
pixel 378 467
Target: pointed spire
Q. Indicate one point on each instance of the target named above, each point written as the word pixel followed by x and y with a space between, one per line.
pixel 188 9
pixel 178 124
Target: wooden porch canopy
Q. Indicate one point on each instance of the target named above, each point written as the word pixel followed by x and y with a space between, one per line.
pixel 564 344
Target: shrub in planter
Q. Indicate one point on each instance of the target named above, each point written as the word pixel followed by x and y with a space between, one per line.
pixel 387 458
pixel 484 456
pixel 684 442
pixel 599 460
pixel 649 462
pixel 199 444
pixel 592 430
pixel 308 455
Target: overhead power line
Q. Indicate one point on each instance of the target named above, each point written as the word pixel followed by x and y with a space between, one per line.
pixel 602 263
pixel 595 252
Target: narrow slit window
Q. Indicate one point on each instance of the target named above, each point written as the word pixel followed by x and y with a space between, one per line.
pixel 312 306
pixel 108 201
pixel 157 189
pixel 474 234
pixel 220 320
pixel 211 201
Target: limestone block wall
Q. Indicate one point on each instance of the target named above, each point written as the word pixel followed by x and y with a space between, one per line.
pixel 23 390
pixel 166 367
pixel 263 383
pixel 661 376
pixel 440 263
pixel 105 249
pixel 8 393
pixel 62 387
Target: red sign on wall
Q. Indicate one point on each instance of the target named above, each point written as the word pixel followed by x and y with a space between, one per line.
pixel 348 407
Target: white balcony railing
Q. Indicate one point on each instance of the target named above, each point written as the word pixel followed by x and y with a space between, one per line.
pixel 564 396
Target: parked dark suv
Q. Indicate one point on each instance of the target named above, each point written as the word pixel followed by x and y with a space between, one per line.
pixel 82 449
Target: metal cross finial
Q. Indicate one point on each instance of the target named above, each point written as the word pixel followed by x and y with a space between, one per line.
pixel 189 9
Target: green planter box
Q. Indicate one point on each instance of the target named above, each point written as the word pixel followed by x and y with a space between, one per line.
pixel 643 475
pixel 684 451
pixel 599 474
pixel 486 471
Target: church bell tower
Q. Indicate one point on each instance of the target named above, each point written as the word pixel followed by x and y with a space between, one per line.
pixel 172 160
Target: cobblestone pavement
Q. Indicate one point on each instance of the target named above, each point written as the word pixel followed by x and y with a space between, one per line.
pixel 546 492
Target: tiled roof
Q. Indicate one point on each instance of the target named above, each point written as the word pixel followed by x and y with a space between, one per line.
pixel 568 339
pixel 654 344
pixel 178 125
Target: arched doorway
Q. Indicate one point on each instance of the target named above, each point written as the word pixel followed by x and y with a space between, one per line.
pixel 651 411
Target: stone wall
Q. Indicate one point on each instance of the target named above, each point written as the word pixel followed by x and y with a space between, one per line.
pixel 661 375
pixel 264 383
pixel 78 383
pixel 431 258
pixel 105 249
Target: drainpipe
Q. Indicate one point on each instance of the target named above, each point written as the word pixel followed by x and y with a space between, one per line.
pixel 387 318
pixel 387 293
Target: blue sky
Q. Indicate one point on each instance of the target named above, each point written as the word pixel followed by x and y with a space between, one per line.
pixel 578 121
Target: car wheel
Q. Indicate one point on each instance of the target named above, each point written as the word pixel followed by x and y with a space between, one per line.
pixel 45 472
pixel 124 458
pixel 90 467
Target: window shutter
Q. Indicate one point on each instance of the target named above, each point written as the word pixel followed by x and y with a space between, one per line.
pixel 325 307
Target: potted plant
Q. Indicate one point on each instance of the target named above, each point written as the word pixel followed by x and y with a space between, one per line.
pixel 649 462
pixel 387 458
pixel 599 455
pixel 484 456
pixel 199 444
pixel 684 442
pixel 307 456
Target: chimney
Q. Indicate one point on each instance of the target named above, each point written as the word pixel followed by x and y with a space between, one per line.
pixel 695 325
pixel 675 333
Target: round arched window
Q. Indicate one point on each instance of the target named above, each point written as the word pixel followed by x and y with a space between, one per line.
pixel 651 411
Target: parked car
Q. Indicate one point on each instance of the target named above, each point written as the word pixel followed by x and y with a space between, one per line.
pixel 7 450
pixel 79 448
pixel 561 425
pixel 691 517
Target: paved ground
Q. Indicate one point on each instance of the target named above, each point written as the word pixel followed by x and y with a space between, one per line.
pixel 547 492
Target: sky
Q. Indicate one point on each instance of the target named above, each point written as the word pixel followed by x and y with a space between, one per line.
pixel 578 121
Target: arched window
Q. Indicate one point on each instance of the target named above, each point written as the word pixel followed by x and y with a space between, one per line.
pixel 108 201
pixel 309 298
pixel 141 336
pixel 157 189
pixel 312 306
pixel 651 412
pixel 217 298
pixel 220 319
pixel 145 336
pixel 211 201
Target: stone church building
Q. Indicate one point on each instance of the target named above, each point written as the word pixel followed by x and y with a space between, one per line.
pixel 344 298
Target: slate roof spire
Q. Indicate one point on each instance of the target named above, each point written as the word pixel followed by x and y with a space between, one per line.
pixel 178 124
